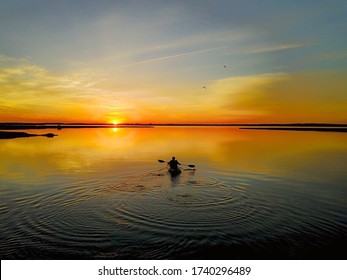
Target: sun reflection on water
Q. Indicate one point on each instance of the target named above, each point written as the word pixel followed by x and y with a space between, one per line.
pixel 267 152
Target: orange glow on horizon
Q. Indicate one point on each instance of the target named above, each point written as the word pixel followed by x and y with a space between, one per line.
pixel 39 96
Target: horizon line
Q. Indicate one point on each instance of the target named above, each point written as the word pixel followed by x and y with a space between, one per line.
pixel 171 124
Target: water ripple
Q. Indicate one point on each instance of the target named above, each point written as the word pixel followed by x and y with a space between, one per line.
pixel 100 219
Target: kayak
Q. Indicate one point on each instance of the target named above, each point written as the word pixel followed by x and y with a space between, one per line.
pixel 174 172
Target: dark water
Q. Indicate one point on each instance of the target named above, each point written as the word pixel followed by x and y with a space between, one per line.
pixel 102 194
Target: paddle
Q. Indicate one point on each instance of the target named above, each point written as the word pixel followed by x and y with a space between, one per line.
pixel 190 165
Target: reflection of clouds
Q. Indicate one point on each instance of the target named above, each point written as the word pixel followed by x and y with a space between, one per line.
pixel 69 152
pixel 102 150
pixel 83 150
pixel 294 154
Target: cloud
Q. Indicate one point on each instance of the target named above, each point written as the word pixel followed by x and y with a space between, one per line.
pixel 30 91
pixel 173 56
pixel 328 56
pixel 310 96
pixel 243 89
pixel 276 48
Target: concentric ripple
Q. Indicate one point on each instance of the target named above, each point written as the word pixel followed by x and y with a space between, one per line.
pixel 152 215
pixel 181 206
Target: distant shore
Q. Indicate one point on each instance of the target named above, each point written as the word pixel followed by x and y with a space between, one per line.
pixel 278 126
pixel 319 129
pixel 17 126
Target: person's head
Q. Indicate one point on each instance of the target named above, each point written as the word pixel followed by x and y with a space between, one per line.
pixel 173 158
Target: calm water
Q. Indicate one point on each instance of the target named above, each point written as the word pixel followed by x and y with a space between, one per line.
pixel 102 194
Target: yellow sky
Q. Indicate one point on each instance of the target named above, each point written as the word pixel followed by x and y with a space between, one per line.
pixel 31 93
pixel 174 63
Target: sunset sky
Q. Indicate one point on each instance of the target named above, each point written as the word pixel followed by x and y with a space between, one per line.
pixel 189 61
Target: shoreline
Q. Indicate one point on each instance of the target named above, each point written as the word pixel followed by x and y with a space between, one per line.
pixel 277 126
pixel 317 129
pixel 65 126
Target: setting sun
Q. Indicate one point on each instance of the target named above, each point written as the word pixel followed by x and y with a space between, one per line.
pixel 233 70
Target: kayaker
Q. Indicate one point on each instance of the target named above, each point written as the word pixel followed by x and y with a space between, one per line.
pixel 173 164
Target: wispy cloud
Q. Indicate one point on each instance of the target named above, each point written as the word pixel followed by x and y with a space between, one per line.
pixel 329 56
pixel 30 91
pixel 285 97
pixel 276 48
pixel 172 56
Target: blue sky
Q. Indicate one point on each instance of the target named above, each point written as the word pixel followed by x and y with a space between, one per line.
pixel 138 60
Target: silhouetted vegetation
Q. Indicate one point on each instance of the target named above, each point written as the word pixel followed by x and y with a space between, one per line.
pixel 19 134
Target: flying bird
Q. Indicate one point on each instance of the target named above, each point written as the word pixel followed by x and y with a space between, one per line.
pixel 204 87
